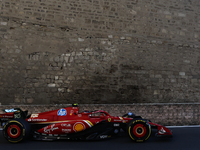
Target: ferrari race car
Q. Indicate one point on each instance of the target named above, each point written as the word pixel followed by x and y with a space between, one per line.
pixel 69 123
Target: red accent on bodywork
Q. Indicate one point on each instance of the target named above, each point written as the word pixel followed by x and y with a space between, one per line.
pixel 7 115
pixel 67 127
pixel 159 128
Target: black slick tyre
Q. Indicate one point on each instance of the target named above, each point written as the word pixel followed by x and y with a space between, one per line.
pixel 139 130
pixel 16 130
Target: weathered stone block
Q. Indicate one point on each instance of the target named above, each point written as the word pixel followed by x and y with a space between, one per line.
pixel 52 85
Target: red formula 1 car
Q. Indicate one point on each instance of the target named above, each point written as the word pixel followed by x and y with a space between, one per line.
pixel 69 123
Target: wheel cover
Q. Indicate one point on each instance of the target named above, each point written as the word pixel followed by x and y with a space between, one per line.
pixel 139 130
pixel 14 131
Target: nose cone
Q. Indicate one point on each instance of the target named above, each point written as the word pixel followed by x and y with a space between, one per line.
pixel 163 132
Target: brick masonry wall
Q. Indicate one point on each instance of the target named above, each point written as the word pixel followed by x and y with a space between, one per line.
pixel 99 51
pixel 165 114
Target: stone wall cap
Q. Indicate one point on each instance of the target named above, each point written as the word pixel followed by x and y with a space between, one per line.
pixel 53 105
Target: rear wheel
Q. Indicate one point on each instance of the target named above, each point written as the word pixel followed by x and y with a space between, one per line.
pixel 16 130
pixel 139 130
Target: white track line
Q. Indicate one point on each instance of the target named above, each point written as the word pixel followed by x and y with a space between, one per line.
pixel 188 126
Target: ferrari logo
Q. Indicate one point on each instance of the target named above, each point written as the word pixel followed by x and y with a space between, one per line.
pixel 109 119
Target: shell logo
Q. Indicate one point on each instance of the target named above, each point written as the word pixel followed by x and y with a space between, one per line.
pixel 79 126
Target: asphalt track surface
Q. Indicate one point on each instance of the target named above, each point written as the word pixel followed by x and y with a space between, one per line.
pixel 187 138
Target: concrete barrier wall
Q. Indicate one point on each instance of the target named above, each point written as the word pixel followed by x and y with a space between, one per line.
pixel 165 114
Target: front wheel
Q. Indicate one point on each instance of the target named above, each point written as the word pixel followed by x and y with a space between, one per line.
pixel 16 130
pixel 139 130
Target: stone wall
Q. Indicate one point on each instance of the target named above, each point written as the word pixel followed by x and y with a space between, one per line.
pixel 165 114
pixel 99 51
